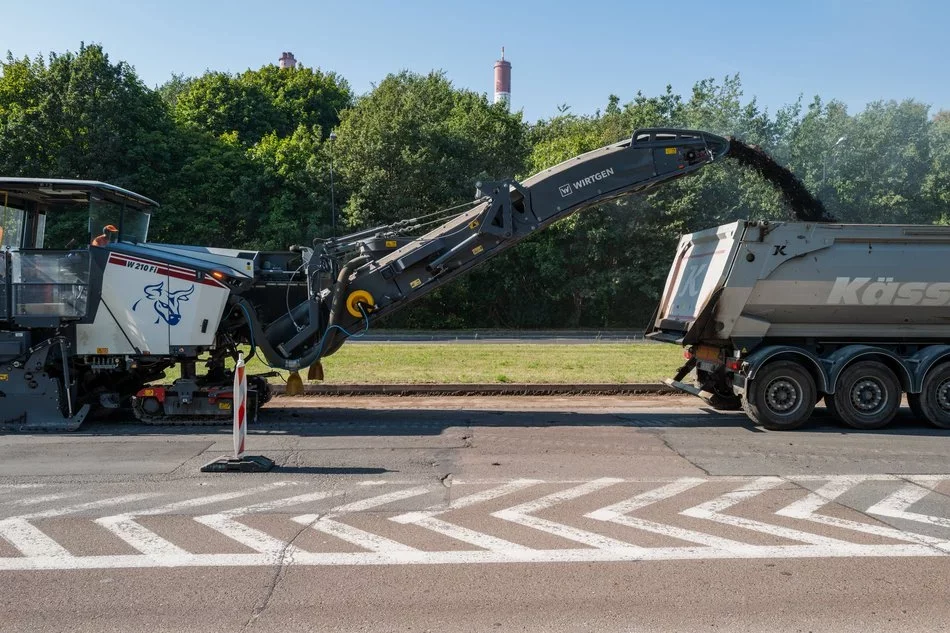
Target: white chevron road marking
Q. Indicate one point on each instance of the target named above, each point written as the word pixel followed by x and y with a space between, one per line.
pixel 144 540
pixel 618 512
pixel 33 542
pixel 255 539
pixel 35 501
pixel 37 551
pixel 807 509
pixel 897 505
pixel 580 555
pixel 4 487
pixel 30 540
pixel 426 519
pixel 521 514
pixel 367 540
pixel 712 511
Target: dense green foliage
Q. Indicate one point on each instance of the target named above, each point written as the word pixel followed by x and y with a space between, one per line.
pixel 245 160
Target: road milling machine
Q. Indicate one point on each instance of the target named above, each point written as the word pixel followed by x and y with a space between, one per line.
pixel 96 322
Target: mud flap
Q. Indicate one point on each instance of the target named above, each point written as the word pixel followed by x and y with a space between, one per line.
pixel 690 389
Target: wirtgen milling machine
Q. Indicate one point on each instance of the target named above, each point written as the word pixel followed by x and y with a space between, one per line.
pixel 97 322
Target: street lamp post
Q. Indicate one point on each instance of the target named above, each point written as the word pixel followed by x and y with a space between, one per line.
pixel 829 154
pixel 332 193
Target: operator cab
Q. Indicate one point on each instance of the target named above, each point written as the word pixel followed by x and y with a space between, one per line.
pixel 53 234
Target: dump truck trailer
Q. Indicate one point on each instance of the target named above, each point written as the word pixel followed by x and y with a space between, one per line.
pixel 775 316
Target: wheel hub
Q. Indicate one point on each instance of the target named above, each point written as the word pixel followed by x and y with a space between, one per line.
pixel 151 406
pixel 943 395
pixel 782 395
pixel 868 395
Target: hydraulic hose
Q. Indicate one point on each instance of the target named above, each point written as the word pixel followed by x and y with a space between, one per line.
pixel 337 303
pixel 329 337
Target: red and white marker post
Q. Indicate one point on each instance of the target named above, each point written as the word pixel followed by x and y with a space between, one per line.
pixel 240 407
pixel 239 462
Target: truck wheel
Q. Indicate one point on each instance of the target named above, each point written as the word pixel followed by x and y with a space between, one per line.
pixel 867 395
pixel 934 398
pixel 781 397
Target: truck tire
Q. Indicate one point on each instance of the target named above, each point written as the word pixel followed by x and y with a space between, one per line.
pixel 867 395
pixel 781 397
pixel 934 397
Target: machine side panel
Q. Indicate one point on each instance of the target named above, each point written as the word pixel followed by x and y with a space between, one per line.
pixel 102 336
pixel 135 292
pixel 201 306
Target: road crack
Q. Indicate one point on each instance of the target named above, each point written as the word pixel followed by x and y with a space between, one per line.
pixel 681 455
pixel 284 561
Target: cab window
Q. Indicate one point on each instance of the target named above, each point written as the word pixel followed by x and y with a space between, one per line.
pixel 11 227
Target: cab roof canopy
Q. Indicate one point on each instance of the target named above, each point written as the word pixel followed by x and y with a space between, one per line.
pixel 49 193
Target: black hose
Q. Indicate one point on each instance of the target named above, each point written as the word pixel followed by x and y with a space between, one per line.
pixel 337 303
pixel 275 358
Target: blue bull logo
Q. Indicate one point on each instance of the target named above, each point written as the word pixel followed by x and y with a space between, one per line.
pixel 166 303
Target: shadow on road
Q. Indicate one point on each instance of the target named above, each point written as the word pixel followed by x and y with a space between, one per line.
pixel 326 470
pixel 336 421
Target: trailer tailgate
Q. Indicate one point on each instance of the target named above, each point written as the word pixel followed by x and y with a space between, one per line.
pixel 701 266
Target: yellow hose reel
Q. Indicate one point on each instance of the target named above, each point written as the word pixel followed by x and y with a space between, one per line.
pixel 355 299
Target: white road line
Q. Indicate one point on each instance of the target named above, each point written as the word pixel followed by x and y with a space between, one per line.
pixel 712 511
pixel 521 514
pixel 144 540
pixel 33 501
pixel 426 519
pixel 897 504
pixel 139 537
pixel 617 513
pixel 33 542
pixel 29 539
pixel 586 555
pixel 90 505
pixel 505 488
pixel 256 539
pixel 196 502
pixel 367 540
pixel 807 510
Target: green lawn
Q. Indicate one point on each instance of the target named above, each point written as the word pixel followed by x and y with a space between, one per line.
pixel 367 363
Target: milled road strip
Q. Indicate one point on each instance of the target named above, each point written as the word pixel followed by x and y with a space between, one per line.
pixel 38 551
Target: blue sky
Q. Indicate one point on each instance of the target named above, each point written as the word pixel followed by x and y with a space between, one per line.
pixel 562 52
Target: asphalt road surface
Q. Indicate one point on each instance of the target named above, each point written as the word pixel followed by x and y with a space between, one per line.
pixel 479 514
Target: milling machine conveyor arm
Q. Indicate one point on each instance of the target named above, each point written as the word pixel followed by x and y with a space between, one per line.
pixel 369 287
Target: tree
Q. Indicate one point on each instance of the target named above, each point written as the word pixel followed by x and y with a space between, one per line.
pixel 78 115
pixel 256 103
pixel 415 144
pixel 937 184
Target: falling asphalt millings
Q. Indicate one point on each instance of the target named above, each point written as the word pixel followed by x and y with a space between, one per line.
pixel 805 206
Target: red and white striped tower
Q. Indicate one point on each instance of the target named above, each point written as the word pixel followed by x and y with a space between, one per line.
pixel 503 80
